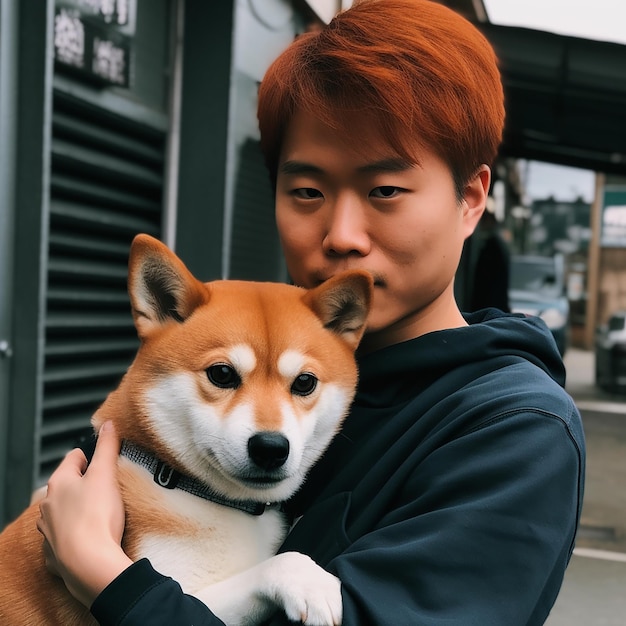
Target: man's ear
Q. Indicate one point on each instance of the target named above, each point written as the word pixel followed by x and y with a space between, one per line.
pixel 475 199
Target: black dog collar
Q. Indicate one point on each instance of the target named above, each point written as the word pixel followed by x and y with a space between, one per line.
pixel 169 478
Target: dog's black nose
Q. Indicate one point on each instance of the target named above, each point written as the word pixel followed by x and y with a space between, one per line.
pixel 268 450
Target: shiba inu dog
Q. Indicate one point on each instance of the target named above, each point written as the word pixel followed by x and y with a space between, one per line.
pixel 236 390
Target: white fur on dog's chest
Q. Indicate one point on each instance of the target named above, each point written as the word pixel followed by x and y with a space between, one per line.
pixel 216 541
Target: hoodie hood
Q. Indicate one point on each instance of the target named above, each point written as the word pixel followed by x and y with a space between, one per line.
pixel 402 369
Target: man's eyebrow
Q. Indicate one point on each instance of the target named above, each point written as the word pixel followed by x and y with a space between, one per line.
pixel 299 167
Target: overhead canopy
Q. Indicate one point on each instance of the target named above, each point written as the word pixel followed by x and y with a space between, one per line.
pixel 565 98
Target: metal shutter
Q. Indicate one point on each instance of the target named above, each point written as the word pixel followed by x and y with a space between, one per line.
pixel 255 247
pixel 106 186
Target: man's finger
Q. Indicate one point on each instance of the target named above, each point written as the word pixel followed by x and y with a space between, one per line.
pixel 38 495
pixel 107 445
pixel 50 559
pixel 74 464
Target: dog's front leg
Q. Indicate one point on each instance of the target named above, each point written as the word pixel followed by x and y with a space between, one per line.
pixel 291 581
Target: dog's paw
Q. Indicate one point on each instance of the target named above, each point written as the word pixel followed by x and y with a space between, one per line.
pixel 306 592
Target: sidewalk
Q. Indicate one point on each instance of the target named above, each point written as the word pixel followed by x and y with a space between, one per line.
pixel 594 589
pixel 580 383
pixel 603 520
pixel 592 594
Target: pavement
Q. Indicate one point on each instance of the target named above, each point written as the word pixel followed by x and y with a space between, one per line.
pixel 594 589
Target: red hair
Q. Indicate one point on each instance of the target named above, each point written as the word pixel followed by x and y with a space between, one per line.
pixel 423 72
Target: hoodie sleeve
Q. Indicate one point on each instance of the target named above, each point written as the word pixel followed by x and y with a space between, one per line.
pixel 140 596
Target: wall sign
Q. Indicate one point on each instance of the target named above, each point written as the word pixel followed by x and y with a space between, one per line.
pixel 91 38
pixel 614 217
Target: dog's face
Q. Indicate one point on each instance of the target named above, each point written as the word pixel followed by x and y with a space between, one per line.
pixel 242 385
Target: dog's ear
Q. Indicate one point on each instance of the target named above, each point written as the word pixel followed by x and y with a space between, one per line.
pixel 161 288
pixel 343 303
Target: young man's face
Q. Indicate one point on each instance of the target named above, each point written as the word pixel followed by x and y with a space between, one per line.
pixel 345 200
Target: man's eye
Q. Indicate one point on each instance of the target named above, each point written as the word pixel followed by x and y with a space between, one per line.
pixel 385 191
pixel 307 193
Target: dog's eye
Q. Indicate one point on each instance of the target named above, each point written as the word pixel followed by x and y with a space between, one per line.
pixel 224 376
pixel 304 385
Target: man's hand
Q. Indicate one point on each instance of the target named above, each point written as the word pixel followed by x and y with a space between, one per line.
pixel 82 519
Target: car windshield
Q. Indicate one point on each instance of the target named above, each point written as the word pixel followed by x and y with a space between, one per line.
pixel 534 274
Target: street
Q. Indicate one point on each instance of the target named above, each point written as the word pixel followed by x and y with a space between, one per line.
pixel 593 593
pixel 594 590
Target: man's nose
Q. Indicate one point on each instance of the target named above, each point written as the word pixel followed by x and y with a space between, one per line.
pixel 347 229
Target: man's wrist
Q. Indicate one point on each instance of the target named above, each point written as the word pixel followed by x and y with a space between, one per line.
pixel 97 573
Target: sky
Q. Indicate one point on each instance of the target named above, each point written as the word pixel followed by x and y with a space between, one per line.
pixel 566 184
pixel 604 20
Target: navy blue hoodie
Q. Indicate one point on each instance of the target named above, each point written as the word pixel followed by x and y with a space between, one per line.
pixel 451 496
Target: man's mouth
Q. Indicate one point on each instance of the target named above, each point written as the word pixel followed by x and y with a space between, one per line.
pixel 379 281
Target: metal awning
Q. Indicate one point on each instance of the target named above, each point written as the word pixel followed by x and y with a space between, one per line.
pixel 565 98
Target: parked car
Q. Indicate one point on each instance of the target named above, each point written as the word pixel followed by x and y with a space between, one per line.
pixel 610 351
pixel 537 287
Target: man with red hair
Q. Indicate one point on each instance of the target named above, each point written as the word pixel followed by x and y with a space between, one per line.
pixel 453 494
